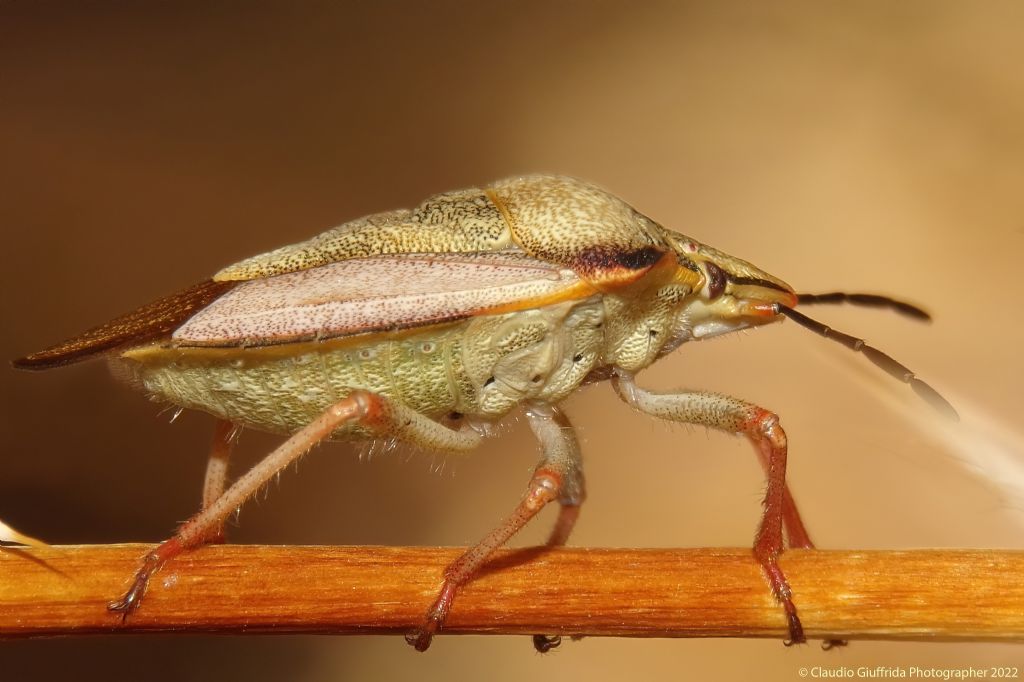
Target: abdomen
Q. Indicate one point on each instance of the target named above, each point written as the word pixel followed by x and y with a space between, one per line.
pixel 482 367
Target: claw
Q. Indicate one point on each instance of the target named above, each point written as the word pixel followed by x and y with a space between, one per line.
pixel 131 600
pixel 545 643
pixel 126 605
pixel 151 563
pixel 796 628
pixel 420 639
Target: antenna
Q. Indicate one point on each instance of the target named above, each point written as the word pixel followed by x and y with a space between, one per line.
pixel 870 300
pixel 886 362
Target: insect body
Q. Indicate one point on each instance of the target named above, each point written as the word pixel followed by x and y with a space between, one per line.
pixel 425 326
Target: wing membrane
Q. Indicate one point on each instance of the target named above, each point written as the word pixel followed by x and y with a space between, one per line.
pixel 149 323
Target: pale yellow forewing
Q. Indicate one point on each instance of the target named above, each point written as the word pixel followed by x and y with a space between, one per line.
pixel 381 293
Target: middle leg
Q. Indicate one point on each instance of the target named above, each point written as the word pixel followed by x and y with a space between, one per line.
pixel 558 476
pixel 553 435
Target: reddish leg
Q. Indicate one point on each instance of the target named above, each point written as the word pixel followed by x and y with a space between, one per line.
pixel 213 486
pixel 224 437
pixel 763 430
pixel 762 427
pixel 557 477
pixel 796 533
pixel 792 523
pixel 359 407
pixel 570 503
pixel 567 516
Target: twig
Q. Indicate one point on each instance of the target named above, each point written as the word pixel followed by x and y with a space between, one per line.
pixel 922 594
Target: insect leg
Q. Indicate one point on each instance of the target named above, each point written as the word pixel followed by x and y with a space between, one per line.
pixel 361 407
pixel 796 532
pixel 562 451
pixel 558 476
pixel 571 499
pixel 763 430
pixel 224 438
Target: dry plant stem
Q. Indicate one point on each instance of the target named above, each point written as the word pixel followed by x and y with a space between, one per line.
pixel 923 594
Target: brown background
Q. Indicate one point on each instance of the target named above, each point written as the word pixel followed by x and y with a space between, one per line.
pixel 873 146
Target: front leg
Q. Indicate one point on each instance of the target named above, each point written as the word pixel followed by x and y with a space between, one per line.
pixel 763 429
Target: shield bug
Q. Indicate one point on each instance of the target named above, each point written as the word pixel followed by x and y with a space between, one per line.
pixel 427 325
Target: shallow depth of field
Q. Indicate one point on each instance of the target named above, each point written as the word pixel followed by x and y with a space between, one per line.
pixel 868 146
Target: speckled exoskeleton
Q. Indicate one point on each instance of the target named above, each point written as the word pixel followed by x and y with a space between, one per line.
pixel 428 325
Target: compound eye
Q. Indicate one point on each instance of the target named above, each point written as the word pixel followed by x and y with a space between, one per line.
pixel 716 280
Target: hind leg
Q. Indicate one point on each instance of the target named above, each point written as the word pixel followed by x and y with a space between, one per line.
pixel 225 436
pixel 360 407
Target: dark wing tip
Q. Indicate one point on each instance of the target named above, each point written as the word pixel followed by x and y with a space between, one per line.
pixel 151 322
pixel 89 344
pixel 44 359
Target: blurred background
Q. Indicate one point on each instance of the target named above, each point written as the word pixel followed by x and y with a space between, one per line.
pixel 841 146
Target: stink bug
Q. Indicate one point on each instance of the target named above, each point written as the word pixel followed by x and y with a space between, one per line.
pixel 428 325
